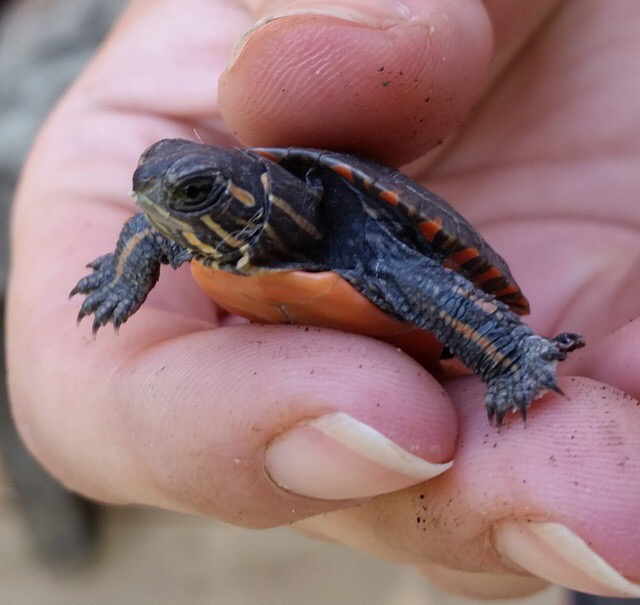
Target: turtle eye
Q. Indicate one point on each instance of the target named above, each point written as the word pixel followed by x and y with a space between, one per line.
pixel 195 194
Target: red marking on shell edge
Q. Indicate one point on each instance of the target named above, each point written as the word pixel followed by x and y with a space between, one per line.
pixel 391 197
pixel 344 171
pixel 510 289
pixel 491 273
pixel 430 228
pixel 269 155
pixel 465 255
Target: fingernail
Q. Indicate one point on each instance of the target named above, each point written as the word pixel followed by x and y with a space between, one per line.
pixel 555 553
pixel 337 457
pixel 377 13
pixel 369 13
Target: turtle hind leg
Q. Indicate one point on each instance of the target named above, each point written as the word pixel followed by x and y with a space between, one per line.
pixel 481 331
pixel 530 377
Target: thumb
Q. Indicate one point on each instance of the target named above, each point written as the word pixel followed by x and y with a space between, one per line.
pixel 391 79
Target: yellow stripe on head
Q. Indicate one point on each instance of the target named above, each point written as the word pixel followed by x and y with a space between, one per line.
pixel 242 195
pixel 195 242
pixel 224 235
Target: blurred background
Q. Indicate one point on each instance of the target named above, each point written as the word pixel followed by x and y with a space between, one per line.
pixel 56 548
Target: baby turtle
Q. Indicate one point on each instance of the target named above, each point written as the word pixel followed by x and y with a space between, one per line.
pixel 258 212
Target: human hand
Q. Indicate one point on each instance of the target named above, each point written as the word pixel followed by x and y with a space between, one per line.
pixel 185 410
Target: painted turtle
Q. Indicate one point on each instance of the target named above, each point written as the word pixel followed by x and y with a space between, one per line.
pixel 299 217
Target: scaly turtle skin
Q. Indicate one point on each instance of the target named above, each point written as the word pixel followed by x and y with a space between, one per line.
pixel 279 212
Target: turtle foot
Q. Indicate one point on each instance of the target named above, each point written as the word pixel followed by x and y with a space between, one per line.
pixel 532 374
pixel 110 296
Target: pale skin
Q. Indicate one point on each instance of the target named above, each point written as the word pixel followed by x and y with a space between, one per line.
pixel 178 410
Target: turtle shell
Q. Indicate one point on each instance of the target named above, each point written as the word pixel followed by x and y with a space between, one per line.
pixel 325 299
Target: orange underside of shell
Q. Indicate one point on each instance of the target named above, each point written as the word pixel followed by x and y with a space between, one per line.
pixel 315 299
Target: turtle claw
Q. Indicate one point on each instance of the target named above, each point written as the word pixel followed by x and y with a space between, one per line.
pixel 523 414
pixel 506 395
pixel 498 411
pixel 95 327
pixel 500 417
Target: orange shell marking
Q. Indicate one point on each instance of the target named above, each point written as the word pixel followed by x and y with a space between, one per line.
pixel 391 197
pixel 510 289
pixel 316 299
pixel 491 273
pixel 344 171
pixel 430 228
pixel 465 255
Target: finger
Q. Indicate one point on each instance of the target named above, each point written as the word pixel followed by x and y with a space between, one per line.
pixel 254 425
pixel 163 60
pixel 365 76
pixel 558 499
pixel 616 360
pixel 387 79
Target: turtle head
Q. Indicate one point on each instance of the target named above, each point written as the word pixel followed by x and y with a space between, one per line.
pixel 205 198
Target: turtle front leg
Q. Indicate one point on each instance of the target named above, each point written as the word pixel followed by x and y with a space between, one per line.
pixel 121 281
pixel 517 364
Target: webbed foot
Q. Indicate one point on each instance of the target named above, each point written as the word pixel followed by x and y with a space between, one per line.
pixel 110 295
pixel 530 376
pixel 121 281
